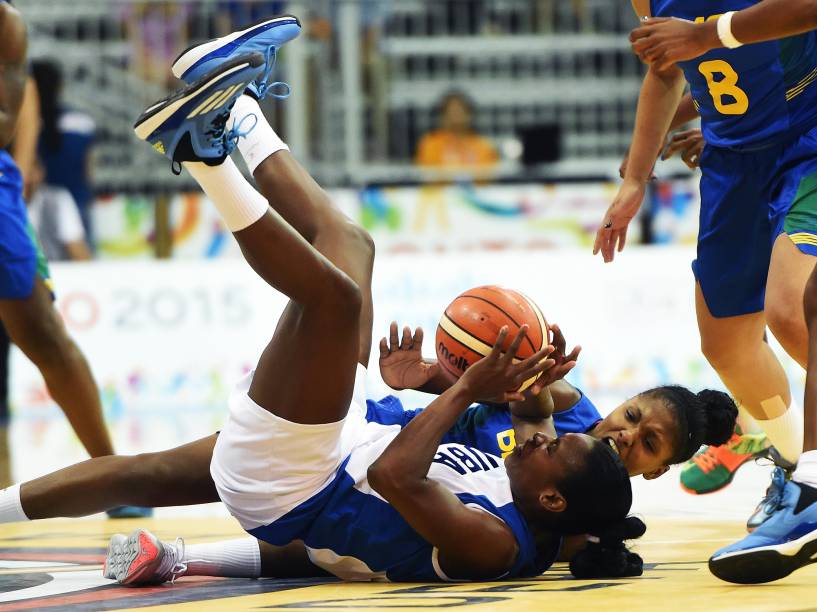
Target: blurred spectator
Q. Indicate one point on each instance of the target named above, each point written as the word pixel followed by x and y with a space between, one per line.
pixel 157 31
pixel 233 14
pixel 455 145
pixel 66 141
pixel 55 218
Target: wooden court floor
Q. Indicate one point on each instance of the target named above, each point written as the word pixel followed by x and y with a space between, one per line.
pixel 55 565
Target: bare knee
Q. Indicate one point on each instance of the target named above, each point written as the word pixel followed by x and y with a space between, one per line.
pixel 44 340
pixel 810 299
pixel 786 322
pixel 355 237
pixel 342 294
pixel 719 353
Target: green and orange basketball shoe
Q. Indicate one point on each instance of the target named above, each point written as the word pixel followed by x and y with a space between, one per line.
pixel 713 467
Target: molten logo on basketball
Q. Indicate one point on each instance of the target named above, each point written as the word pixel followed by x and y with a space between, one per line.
pixel 455 361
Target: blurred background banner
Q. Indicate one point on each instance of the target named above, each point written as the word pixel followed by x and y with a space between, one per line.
pixel 414 219
pixel 168 340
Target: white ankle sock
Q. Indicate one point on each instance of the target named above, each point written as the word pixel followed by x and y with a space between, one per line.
pixel 806 472
pixel 240 558
pixel 748 424
pixel 11 510
pixel 786 433
pixel 238 202
pixel 262 141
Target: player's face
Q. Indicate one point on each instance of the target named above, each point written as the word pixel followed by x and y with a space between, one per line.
pixel 543 462
pixel 642 429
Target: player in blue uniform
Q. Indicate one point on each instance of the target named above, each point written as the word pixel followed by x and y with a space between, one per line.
pixel 751 66
pixel 296 459
pixel 26 308
pixel 758 227
pixel 644 428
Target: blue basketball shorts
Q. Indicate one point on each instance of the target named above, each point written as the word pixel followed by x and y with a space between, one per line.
pixel 21 259
pixel 748 198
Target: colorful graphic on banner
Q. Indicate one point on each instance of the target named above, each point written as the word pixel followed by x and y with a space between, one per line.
pixel 416 219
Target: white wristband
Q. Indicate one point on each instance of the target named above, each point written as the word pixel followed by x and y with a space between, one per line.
pixel 725 31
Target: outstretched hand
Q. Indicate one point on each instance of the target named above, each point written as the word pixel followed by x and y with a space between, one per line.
pixel 562 362
pixel 612 235
pixel 498 376
pixel 401 362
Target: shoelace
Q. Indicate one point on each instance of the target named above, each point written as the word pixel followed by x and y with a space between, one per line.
pixel 774 494
pixel 264 88
pixel 235 133
pixel 173 564
pixel 706 460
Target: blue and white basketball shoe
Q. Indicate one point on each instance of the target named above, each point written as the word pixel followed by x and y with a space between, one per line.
pixel 190 125
pixel 266 37
pixel 781 545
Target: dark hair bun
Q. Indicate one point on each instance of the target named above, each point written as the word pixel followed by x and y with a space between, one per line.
pixel 721 414
pixel 609 557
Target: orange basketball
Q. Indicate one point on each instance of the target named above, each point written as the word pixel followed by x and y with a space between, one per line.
pixel 470 325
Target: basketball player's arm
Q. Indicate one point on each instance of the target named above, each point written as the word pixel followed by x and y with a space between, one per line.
pixel 471 544
pixel 660 95
pixel 665 41
pixel 13 73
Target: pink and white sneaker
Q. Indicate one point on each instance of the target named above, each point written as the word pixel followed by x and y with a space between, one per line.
pixel 143 559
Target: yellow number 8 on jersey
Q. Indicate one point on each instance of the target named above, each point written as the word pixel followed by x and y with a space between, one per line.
pixel 726 86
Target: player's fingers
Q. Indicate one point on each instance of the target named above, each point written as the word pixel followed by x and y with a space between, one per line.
pixel 537 358
pixel 607 249
pixel 535 370
pixel 597 243
pixel 405 341
pixel 622 239
pixel 675 145
pixel 384 348
pixel 558 340
pixel 517 342
pixel 500 340
pixel 574 354
pixel 393 343
pixel 418 337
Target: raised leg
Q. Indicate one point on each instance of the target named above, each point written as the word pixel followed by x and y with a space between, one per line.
pixel 322 261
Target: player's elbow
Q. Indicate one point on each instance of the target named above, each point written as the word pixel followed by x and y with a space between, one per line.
pixel 391 482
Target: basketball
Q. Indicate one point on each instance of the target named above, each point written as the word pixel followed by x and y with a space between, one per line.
pixel 470 325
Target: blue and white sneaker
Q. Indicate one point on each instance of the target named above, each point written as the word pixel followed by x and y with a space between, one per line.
pixel 771 500
pixel 191 124
pixel 266 37
pixel 781 545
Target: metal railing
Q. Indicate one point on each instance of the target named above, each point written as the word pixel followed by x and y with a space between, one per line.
pixel 366 77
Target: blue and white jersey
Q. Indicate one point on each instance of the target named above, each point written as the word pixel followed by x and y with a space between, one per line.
pixel 352 532
pixel 487 427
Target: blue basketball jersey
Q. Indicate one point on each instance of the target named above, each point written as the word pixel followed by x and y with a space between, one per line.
pixel 754 95
pixel 488 428
pixel 354 533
